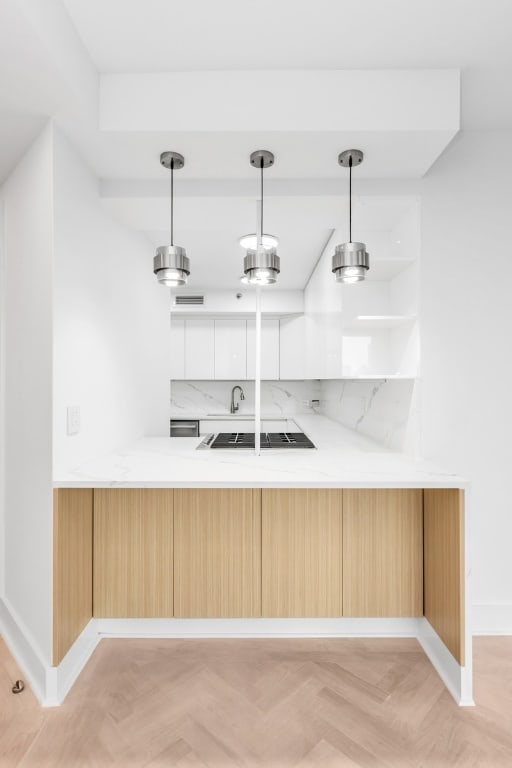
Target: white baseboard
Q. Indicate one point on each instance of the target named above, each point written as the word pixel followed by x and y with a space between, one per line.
pixel 458 680
pixel 258 627
pixel 61 679
pixel 50 685
pixel 488 619
pixel 23 650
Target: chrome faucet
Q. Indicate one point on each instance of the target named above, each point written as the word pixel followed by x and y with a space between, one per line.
pixel 234 406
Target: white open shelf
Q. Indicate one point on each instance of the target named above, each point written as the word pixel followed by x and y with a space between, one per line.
pixel 373 376
pixel 379 321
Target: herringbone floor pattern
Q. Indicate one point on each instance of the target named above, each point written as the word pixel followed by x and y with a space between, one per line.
pixel 279 703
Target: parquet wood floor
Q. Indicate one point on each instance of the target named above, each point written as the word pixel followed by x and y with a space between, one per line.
pixel 348 703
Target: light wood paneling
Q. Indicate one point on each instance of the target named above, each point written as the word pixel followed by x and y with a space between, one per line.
pixel 301 552
pixel 217 552
pixel 72 566
pixel 133 544
pixel 382 552
pixel 444 566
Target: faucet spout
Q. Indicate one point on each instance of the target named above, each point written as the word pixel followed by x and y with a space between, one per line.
pixel 235 406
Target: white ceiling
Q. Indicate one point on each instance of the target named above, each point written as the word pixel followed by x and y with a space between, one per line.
pixel 298 155
pixel 49 63
pixel 163 35
pixel 31 87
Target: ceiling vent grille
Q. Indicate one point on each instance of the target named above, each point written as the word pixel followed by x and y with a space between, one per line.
pixel 187 300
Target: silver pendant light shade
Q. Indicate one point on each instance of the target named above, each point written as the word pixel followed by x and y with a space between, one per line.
pixel 261 264
pixel 351 260
pixel 171 264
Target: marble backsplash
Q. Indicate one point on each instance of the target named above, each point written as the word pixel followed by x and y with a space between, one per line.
pixel 277 397
pixel 384 409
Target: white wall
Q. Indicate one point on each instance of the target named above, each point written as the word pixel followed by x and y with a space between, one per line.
pixel 111 322
pixel 27 321
pixel 466 348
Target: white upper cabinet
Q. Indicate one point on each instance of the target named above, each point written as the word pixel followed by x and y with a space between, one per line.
pixel 177 347
pixel 223 348
pixel 230 348
pixel 269 348
pixel 199 348
pixel 293 357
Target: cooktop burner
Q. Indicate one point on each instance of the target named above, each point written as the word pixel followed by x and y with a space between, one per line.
pixel 267 440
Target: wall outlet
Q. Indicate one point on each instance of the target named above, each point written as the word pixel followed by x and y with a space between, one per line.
pixel 73 422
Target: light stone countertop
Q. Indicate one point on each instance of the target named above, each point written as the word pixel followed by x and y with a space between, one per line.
pixel 343 459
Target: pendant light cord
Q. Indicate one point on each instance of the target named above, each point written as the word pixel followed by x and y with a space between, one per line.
pixel 350 199
pixel 261 207
pixel 172 202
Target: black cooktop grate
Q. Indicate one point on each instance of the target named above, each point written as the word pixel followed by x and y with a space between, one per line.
pixel 267 440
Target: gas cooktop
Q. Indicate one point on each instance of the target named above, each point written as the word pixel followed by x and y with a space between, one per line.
pixel 267 440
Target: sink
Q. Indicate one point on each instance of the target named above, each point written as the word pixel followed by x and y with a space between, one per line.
pixel 228 415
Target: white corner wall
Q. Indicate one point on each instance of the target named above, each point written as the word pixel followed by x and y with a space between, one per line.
pixel 27 397
pixel 466 349
pixel 111 322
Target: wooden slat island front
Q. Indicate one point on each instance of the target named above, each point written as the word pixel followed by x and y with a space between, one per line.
pixel 233 553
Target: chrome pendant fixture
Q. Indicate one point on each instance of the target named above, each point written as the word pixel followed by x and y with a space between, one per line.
pixel 251 241
pixel 171 264
pixel 351 260
pixel 261 264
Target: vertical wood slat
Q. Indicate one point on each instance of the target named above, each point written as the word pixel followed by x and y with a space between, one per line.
pixel 217 554
pixel 382 552
pixel 301 555
pixel 444 566
pixel 72 566
pixel 133 552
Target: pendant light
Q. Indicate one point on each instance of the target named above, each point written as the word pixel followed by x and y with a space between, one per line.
pixel 351 260
pixel 261 264
pixel 171 264
pixel 251 241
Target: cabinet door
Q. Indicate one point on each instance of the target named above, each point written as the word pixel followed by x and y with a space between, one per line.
pixel 133 542
pixel 292 348
pixel 382 552
pixel 177 347
pixel 199 348
pixel 217 553
pixel 301 552
pixel 269 349
pixel 230 348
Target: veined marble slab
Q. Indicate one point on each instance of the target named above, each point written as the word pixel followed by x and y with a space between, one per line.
pixel 343 459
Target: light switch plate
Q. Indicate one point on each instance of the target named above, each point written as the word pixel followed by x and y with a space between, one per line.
pixel 73 421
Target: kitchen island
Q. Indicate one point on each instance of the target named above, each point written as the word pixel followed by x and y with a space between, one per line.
pixel 348 539
pixel 342 459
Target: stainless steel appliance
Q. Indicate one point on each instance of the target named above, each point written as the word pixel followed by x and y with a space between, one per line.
pixel 272 440
pixel 184 427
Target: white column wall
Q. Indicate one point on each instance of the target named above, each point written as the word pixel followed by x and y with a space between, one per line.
pixel 111 322
pixel 27 335
pixel 466 348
